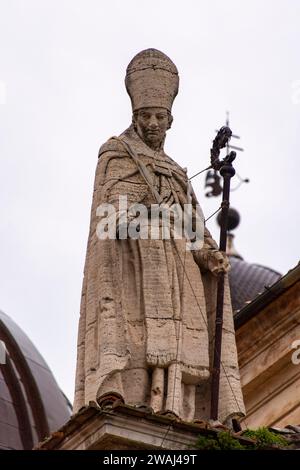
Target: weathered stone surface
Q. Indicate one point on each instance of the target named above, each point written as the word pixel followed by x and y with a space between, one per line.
pixel 148 305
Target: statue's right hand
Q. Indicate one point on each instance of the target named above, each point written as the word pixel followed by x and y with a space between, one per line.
pixel 217 262
pixel 212 260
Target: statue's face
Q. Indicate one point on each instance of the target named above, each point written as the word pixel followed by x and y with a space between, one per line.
pixel 151 124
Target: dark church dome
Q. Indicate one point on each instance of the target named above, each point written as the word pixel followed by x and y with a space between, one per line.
pixel 31 403
pixel 248 280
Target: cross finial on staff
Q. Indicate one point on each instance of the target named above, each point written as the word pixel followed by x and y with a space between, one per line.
pixel 233 136
pixel 224 135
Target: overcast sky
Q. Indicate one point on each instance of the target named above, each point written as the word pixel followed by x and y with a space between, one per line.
pixel 62 94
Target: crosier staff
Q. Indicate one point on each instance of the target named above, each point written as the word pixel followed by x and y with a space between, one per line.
pixel 227 171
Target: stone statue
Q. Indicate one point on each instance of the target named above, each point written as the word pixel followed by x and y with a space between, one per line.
pixel 147 312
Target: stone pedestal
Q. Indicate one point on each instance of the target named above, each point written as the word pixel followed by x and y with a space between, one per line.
pixel 124 428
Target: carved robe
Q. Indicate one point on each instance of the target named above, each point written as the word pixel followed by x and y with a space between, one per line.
pixel 145 303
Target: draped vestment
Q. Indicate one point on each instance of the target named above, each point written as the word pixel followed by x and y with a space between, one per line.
pixel 146 303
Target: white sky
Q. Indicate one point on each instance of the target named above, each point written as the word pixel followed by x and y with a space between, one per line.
pixel 62 94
